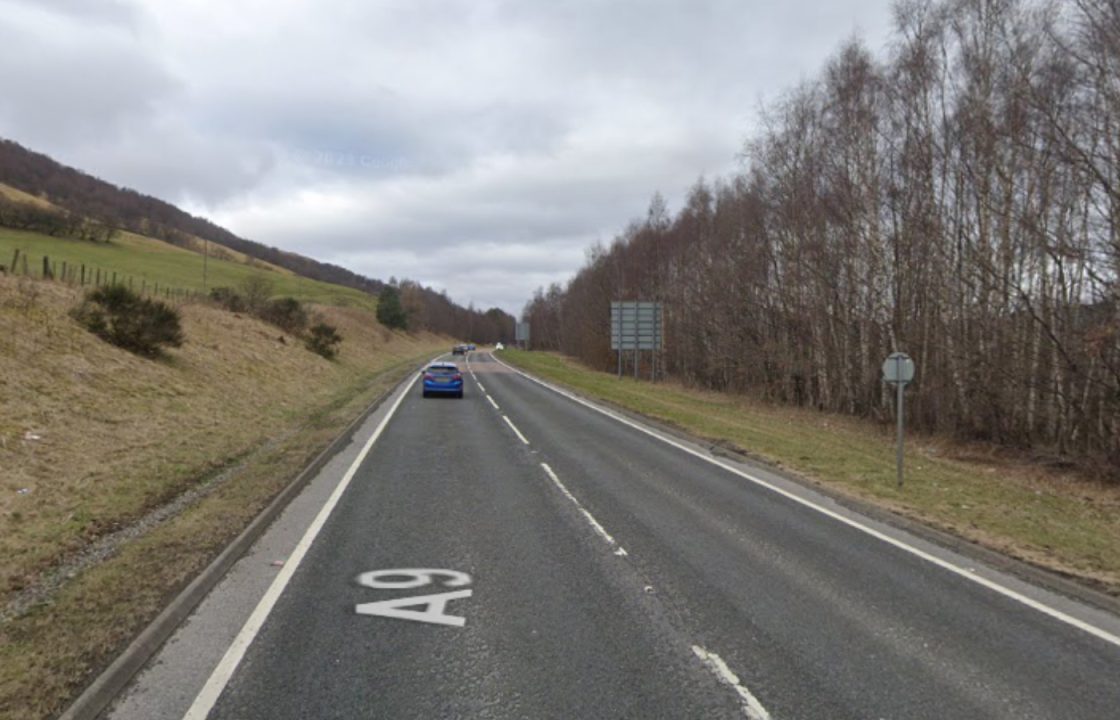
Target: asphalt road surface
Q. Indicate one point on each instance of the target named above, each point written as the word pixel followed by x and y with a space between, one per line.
pixel 518 554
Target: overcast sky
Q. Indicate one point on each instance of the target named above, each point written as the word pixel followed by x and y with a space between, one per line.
pixel 477 146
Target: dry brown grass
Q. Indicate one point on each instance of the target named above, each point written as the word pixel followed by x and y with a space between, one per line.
pixel 118 434
pixel 92 438
pixel 18 195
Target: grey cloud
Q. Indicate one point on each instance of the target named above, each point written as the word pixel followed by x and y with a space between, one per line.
pixel 75 85
pixel 507 132
pixel 111 12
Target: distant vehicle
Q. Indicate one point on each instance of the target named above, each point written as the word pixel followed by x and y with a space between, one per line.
pixel 443 378
pixel 459 350
pixel 471 347
pixel 499 346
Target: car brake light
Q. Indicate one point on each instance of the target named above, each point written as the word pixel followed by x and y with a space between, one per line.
pixel 456 377
pixel 429 376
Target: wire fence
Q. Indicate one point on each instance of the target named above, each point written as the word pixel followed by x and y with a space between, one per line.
pixel 82 275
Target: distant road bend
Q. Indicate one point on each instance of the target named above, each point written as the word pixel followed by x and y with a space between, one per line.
pixel 522 554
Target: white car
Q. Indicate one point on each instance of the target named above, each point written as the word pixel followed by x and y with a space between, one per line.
pixel 499 346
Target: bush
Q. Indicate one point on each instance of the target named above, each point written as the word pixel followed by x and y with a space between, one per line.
pixel 229 298
pixel 140 325
pixel 324 340
pixel 285 313
pixel 257 289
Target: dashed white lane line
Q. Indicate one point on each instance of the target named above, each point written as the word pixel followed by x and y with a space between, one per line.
pixel 752 708
pixel 850 522
pixel 480 385
pixel 602 531
pixel 219 678
pixel 493 403
pixel 514 428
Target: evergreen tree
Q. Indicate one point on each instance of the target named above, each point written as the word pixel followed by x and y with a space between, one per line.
pixel 390 312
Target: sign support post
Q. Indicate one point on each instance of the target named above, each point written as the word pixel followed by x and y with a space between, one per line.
pixel 898 370
pixel 901 435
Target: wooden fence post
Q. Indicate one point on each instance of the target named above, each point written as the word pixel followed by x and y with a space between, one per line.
pixel 83 274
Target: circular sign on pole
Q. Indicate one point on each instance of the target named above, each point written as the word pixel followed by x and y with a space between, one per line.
pixel 898 368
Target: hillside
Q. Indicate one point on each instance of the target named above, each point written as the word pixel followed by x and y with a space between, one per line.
pixel 37 175
pixel 40 195
pixel 146 260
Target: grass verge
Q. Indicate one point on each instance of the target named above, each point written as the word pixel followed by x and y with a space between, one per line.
pixel 1052 519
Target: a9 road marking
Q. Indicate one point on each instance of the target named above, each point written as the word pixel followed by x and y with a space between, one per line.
pixel 435 605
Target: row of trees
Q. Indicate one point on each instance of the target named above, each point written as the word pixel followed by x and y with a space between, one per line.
pixel 52 221
pixel 409 305
pixel 958 200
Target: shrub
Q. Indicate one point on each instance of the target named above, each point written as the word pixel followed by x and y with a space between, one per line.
pixel 285 313
pixel 121 317
pixel 324 340
pixel 257 289
pixel 229 298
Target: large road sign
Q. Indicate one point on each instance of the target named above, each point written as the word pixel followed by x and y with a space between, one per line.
pixel 636 325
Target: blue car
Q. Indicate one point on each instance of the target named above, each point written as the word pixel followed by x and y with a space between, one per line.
pixel 443 378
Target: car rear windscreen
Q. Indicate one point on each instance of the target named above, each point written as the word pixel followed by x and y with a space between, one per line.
pixel 442 371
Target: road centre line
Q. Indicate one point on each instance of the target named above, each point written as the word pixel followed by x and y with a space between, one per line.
pixel 620 551
pixel 752 708
pixel 220 677
pixel 917 552
pixel 514 428
pixel 492 402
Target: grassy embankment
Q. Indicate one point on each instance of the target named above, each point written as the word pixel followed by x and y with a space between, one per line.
pixel 145 259
pixel 93 439
pixel 1049 518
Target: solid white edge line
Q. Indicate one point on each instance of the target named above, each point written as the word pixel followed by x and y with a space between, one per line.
pixel 944 564
pixel 514 428
pixel 493 403
pixel 602 531
pixel 752 708
pixel 220 677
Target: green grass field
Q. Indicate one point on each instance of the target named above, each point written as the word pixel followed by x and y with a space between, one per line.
pixel 1055 520
pixel 147 260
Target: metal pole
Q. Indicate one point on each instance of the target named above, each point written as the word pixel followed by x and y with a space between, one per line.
pixel 898 405
pixel 636 351
pixel 616 321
